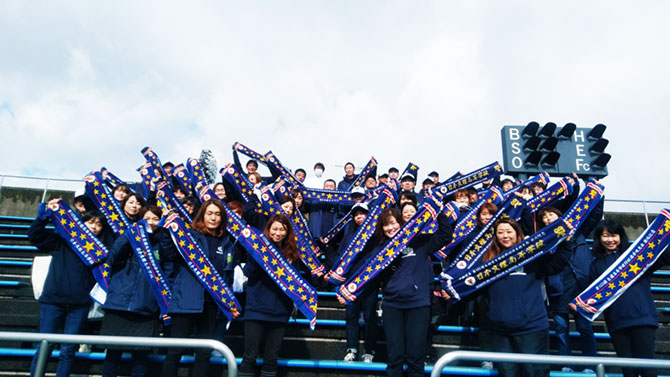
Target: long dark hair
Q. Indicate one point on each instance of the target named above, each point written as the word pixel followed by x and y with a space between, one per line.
pixel 149 208
pixel 198 223
pixel 612 227
pixel 95 214
pixel 122 187
pixel 294 194
pixel 137 197
pixel 496 248
pixel 285 199
pixel 288 247
pixel 384 217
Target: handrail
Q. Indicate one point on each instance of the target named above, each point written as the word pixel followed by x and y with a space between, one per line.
pixel 117 341
pixel 523 358
pixel 41 178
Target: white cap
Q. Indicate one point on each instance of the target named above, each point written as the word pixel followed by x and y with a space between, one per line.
pixel 358 190
pixel 361 206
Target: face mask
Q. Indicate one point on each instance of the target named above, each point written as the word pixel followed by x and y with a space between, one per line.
pixel 318 172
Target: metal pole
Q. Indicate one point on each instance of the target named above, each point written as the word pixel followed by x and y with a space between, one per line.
pixel 42 357
pixel 2 180
pixel 600 370
pixel 44 194
pixel 644 208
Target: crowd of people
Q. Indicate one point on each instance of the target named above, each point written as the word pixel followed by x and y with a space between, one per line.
pixel 512 313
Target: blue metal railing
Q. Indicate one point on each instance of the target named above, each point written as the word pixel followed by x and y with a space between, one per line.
pixel 600 362
pixel 45 339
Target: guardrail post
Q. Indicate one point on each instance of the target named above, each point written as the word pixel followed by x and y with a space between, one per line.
pixel 646 216
pixel 42 357
pixel 46 187
pixel 600 370
pixel 2 180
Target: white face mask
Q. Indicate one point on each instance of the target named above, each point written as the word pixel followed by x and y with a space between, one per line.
pixel 318 172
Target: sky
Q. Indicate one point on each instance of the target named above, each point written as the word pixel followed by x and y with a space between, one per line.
pixel 88 84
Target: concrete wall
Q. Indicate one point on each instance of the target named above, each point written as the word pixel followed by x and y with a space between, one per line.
pixel 23 202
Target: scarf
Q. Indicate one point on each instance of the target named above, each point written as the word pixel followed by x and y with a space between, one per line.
pixel 139 241
pixel 367 169
pixel 239 181
pixel 337 275
pixel 184 178
pixel 546 198
pixel 468 180
pixel 307 250
pixel 461 282
pixel 272 261
pixel 199 264
pixel 390 250
pixel 81 240
pixel 469 221
pixel 625 271
pixel 104 200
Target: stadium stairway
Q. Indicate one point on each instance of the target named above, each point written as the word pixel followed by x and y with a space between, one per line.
pixel 304 352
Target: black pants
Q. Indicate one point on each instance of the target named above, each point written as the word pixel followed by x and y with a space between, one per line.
pixel 110 368
pixel 637 342
pixel 406 331
pixel 257 333
pixel 182 327
pixel 368 305
pixel 535 342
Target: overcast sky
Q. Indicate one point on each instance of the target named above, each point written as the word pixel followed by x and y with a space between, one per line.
pixel 87 83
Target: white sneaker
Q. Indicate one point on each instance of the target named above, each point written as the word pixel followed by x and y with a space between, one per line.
pixel 587 370
pixel 351 355
pixel 487 364
pixel 367 357
pixel 567 370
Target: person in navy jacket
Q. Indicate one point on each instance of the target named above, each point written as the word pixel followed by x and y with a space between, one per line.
pixel 65 301
pixel 517 312
pixel 406 288
pixel 267 308
pixel 349 177
pixel 570 282
pixel 191 306
pixel 632 319
pixel 366 302
pixel 131 308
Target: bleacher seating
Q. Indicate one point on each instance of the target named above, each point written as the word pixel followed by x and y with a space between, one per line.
pixel 304 353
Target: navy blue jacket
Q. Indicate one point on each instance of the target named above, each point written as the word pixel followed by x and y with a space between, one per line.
pixel 69 280
pixel 129 289
pixel 265 300
pixel 411 275
pixel 516 301
pixel 345 236
pixel 188 294
pixel 574 278
pixel 345 183
pixel 321 217
pixel 362 259
pixel 636 306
